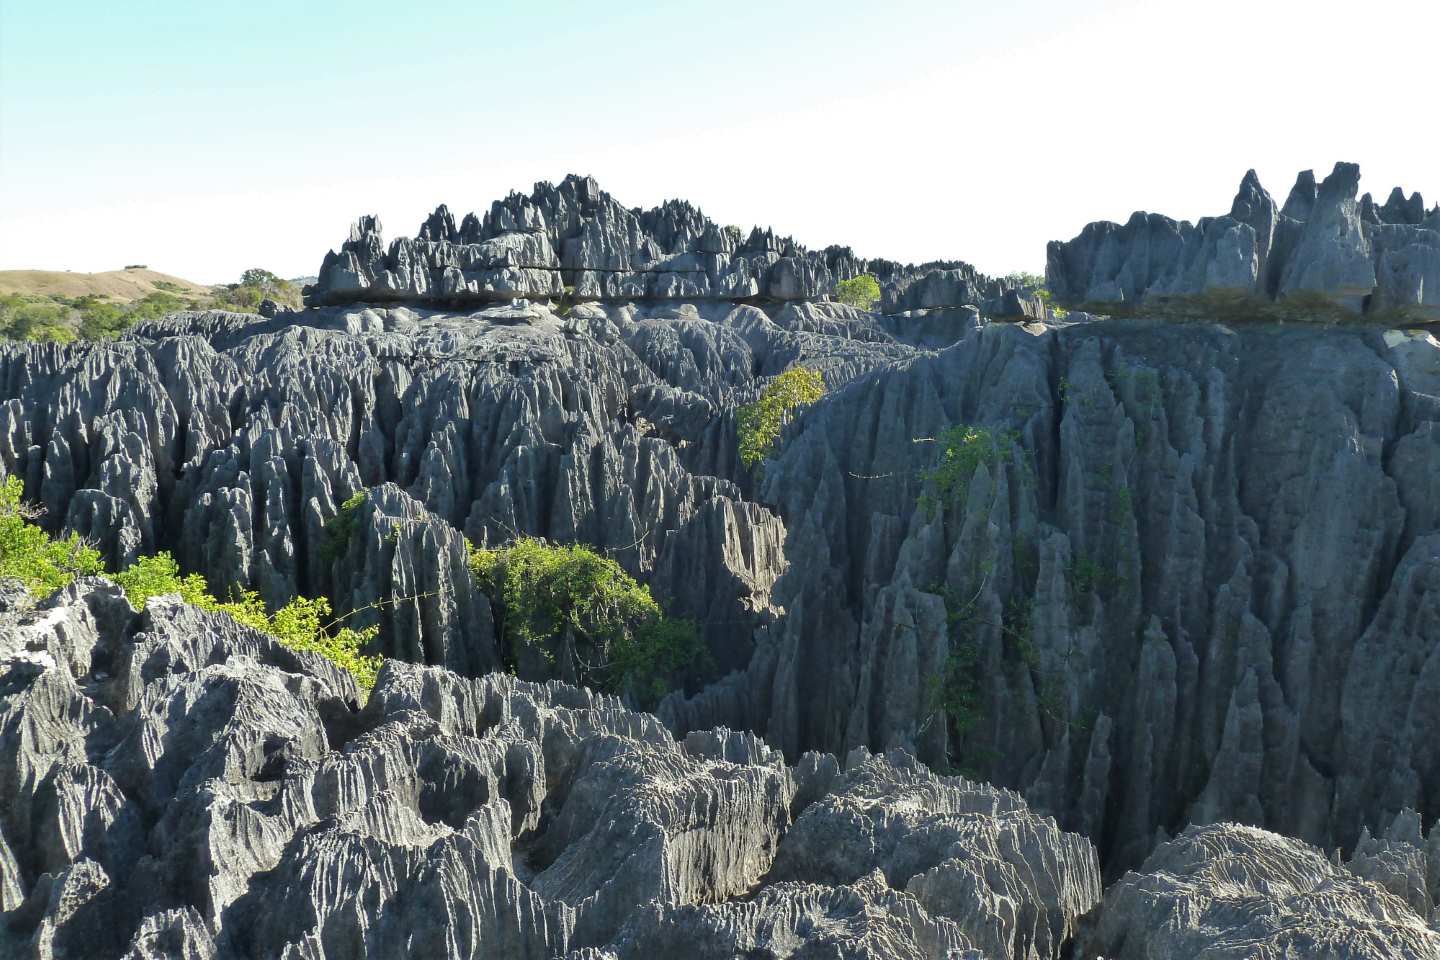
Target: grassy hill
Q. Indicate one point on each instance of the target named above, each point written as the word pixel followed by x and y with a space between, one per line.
pixel 121 286
pixel 59 305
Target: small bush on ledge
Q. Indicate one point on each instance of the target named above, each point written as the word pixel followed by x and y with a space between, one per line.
pixel 28 554
pixel 963 448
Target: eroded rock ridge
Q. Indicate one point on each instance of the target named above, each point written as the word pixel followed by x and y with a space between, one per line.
pixel 1363 256
pixel 574 242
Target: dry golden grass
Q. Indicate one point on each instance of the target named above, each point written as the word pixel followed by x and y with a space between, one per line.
pixel 118 285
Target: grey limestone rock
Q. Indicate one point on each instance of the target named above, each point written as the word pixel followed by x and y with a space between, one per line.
pixel 1196 585
pixel 219 797
pixel 1193 581
pixel 1323 241
pixel 865 920
pixel 573 241
pixel 977 856
pixel 1227 891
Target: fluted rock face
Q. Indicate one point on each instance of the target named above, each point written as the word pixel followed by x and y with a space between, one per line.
pixel 1199 586
pixel 1227 891
pixel 1361 255
pixel 573 241
pixel 866 920
pixel 173 784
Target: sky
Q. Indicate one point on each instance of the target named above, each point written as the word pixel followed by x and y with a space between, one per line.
pixel 204 138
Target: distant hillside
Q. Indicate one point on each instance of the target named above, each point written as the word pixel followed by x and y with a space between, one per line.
pixel 59 305
pixel 117 285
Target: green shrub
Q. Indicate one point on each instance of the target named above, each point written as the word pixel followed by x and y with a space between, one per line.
pixel 158 575
pixel 45 564
pixel 28 554
pixel 1048 298
pixel 302 624
pixel 576 608
pixel 758 424
pixel 962 449
pixel 1023 279
pixel 91 317
pixel 256 285
pixel 36 318
pixel 955 690
pixel 340 528
pixel 862 291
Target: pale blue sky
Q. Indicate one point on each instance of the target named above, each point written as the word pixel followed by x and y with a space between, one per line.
pixel 203 138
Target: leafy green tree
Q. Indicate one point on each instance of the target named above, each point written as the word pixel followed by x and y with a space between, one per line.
pixel 256 277
pixel 255 285
pixel 759 424
pixel 585 617
pixel 28 554
pixel 1023 279
pixel 36 318
pixel 862 291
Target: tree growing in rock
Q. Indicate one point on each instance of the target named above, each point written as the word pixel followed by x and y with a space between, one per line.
pixel 862 291
pixel 31 556
pixel 759 424
pixel 566 611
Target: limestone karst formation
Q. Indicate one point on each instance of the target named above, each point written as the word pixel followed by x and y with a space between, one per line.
pixel 1190 580
pixel 574 241
pixel 177 785
pixel 1362 256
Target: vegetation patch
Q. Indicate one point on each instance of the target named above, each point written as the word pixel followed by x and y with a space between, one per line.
pixel 340 529
pixel 581 611
pixel 862 291
pixel 962 449
pixel 62 319
pixel 43 563
pixel 46 564
pixel 955 690
pixel 1048 299
pixel 302 624
pixel 1036 282
pixel 1243 306
pixel 759 424
pixel 256 285
pixel 1088 577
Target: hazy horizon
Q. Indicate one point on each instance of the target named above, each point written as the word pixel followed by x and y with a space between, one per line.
pixel 202 141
